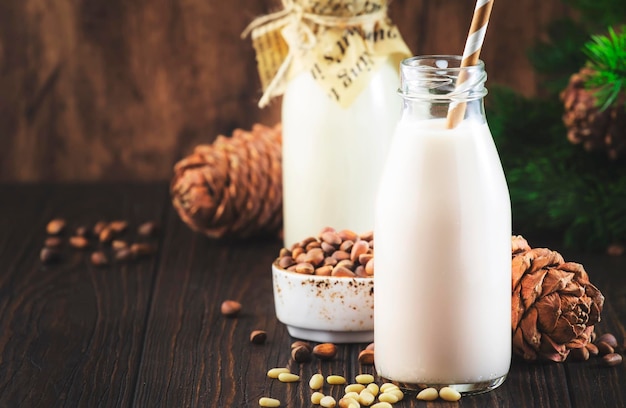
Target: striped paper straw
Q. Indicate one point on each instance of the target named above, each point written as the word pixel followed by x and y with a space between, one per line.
pixel 473 45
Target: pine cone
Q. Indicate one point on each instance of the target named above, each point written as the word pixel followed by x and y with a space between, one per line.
pixel 554 306
pixel 232 187
pixel 586 124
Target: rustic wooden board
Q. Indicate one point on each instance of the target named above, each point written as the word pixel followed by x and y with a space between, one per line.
pixel 151 333
pixel 71 333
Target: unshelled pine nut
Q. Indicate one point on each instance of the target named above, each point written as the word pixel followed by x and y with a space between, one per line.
pixel 364 379
pixel 593 349
pixel 275 372
pixel 269 402
pixel 428 394
pixel 604 348
pixel 580 354
pixel 366 357
pixel 288 377
pixel 335 380
pixel 612 359
pixel 55 226
pixel 230 308
pixel 301 354
pixel 258 336
pixel 316 382
pixel 609 339
pixel 325 351
pixel 315 255
pixel 449 394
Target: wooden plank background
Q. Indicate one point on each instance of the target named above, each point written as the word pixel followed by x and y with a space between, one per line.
pixel 122 89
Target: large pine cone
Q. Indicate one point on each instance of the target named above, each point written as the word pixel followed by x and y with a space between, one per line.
pixel 587 124
pixel 232 187
pixel 554 305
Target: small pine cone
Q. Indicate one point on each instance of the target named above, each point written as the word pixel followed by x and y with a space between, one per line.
pixel 587 124
pixel 554 305
pixel 232 187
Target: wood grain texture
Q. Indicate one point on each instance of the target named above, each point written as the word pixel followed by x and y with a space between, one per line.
pixel 151 333
pixel 71 333
pixel 98 89
pixel 121 90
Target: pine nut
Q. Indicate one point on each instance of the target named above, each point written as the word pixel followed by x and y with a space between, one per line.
pixel 348 235
pixel 387 386
pixel 55 226
pixel 258 336
pixel 352 394
pixel 381 405
pixel 449 394
pixel 373 388
pixel 388 397
pixel 269 402
pixel 609 339
pixel 230 308
pixel 580 354
pixel 299 343
pixel 359 248
pixel 274 372
pixel 366 357
pixel 428 394
pixel 316 382
pixel 335 380
pixel 593 349
pixel 288 377
pixel 605 348
pixel 364 379
pixel 301 354
pixel 347 402
pixel 612 359
pixel 354 388
pixel 313 255
pixel 325 351
pixel 397 392
pixel 328 402
pixel 366 397
pixel 316 397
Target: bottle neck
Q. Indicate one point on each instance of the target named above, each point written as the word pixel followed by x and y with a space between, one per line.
pixel 434 86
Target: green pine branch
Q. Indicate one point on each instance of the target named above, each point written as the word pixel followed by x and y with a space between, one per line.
pixel 607 60
pixel 557 189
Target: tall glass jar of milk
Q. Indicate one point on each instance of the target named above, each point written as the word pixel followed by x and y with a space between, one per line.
pixel 333 155
pixel 443 237
pixel 338 76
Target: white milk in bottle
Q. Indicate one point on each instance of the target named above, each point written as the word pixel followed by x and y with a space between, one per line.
pixel 336 63
pixel 333 156
pixel 443 239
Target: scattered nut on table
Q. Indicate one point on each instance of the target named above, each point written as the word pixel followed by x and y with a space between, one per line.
pixel 230 308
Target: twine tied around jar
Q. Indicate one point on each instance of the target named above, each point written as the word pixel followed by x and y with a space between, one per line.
pixel 287 37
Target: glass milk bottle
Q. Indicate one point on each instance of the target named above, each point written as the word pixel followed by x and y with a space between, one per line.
pixel 333 155
pixel 443 238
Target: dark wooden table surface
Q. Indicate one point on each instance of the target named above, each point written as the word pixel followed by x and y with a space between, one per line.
pixel 149 333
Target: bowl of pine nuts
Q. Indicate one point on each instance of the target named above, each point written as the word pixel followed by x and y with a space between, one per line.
pixel 324 287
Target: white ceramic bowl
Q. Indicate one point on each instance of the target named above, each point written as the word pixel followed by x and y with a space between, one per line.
pixel 324 308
